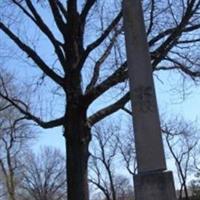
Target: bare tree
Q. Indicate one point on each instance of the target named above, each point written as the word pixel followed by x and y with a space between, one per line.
pixel 2 188
pixel 43 176
pixel 181 141
pixel 195 188
pixel 195 182
pixel 13 140
pixel 104 162
pixel 127 149
pixel 85 36
pixel 14 136
pixel 123 188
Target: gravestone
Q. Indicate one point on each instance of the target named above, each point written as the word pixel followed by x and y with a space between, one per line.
pixel 152 182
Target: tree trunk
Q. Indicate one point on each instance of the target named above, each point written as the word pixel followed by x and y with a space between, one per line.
pixel 11 192
pixel 10 176
pixel 77 135
pixel 11 196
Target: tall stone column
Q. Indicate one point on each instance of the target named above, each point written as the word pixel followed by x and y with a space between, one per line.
pixel 152 181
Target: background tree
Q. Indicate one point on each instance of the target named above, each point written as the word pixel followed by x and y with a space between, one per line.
pixel 12 144
pixel 195 182
pixel 85 59
pixel 195 189
pixel 43 176
pixel 15 133
pixel 105 161
pixel 181 139
pixel 127 149
pixel 2 189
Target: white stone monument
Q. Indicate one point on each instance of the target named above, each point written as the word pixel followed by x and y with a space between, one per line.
pixel 152 181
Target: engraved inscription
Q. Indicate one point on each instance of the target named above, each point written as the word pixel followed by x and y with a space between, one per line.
pixel 143 99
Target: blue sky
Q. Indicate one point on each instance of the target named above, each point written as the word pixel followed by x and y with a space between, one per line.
pixel 173 101
pixel 172 104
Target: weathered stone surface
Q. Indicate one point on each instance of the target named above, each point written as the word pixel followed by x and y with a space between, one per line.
pixel 154 186
pixel 152 183
pixel 149 146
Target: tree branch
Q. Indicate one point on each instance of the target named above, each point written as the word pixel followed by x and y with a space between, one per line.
pixel 57 16
pixel 171 30
pixel 127 111
pixel 103 36
pixel 118 76
pixel 86 9
pixel 23 108
pixel 101 60
pixel 99 115
pixel 44 28
pixel 180 66
pixel 99 186
pixel 62 9
pixel 168 44
pixel 33 55
pixel 151 17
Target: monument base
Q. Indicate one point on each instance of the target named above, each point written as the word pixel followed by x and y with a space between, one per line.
pixel 154 186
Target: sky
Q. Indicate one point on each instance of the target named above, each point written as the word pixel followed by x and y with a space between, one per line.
pixel 173 101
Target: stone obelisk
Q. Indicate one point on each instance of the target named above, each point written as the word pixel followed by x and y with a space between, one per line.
pixel 152 181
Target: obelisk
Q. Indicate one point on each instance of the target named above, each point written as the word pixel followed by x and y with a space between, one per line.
pixel 152 181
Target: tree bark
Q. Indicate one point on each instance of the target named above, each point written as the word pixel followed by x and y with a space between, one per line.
pixel 10 176
pixel 11 195
pixel 77 135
